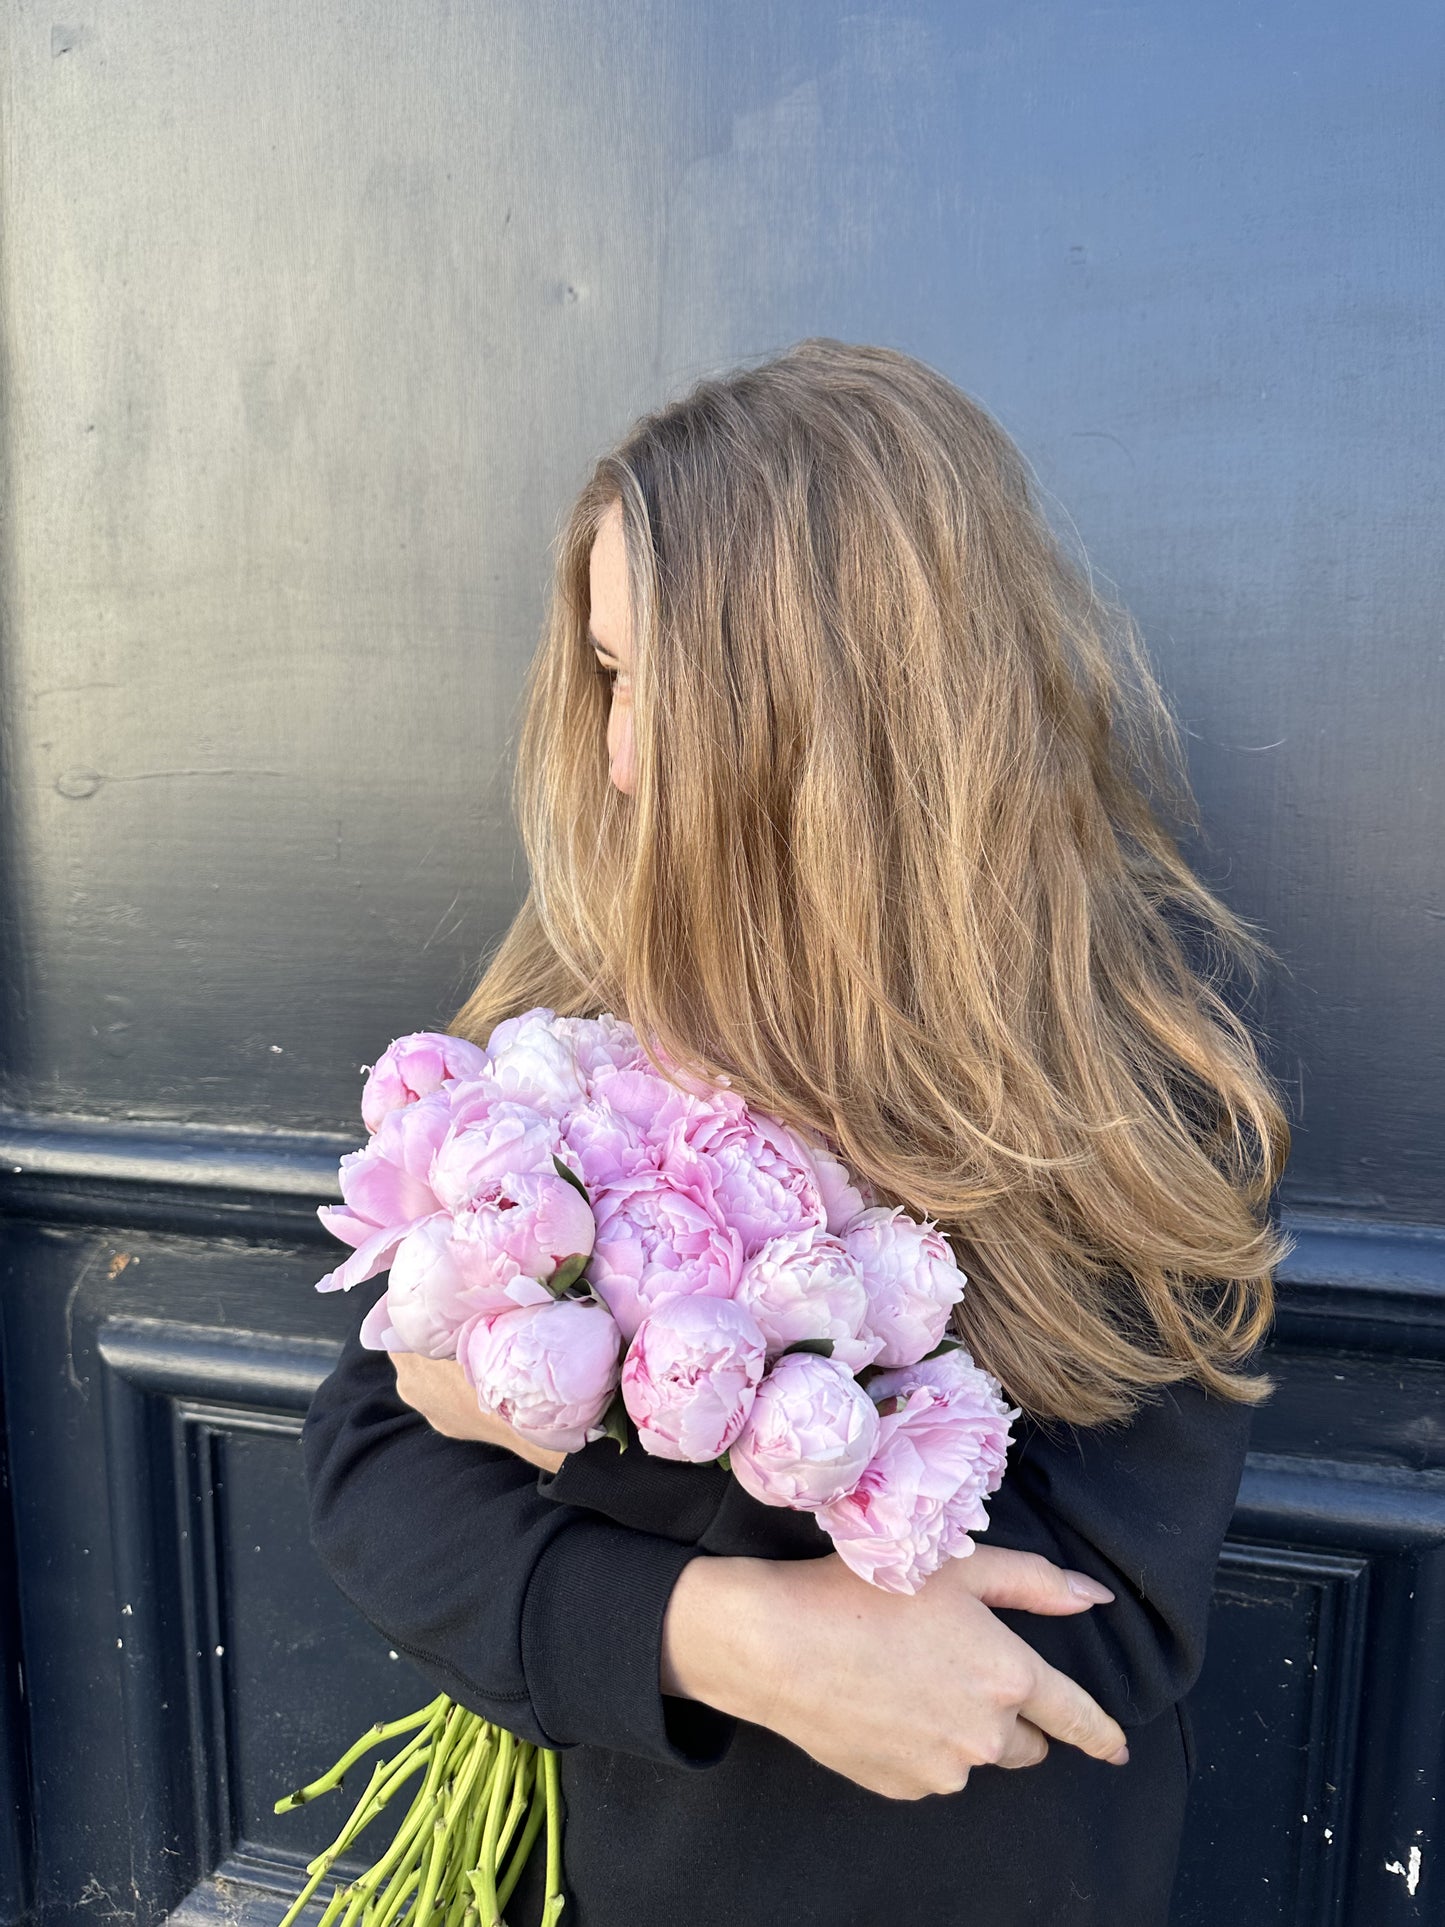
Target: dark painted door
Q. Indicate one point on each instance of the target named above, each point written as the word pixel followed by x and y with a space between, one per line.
pixel 311 323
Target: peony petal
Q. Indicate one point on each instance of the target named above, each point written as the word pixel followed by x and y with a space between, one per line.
pixel 368 1259
pixel 345 1224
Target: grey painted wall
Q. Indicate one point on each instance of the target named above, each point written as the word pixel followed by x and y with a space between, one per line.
pixel 312 325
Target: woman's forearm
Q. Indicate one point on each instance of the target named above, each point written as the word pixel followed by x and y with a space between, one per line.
pixel 716 1644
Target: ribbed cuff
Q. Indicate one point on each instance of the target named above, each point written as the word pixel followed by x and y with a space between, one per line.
pixel 591 1642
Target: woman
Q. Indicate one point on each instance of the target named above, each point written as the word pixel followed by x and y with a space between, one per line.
pixel 878 837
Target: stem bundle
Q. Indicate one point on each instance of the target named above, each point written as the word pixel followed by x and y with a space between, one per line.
pixel 459 1851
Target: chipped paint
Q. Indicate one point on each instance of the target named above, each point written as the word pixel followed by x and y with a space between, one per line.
pixel 1410 1874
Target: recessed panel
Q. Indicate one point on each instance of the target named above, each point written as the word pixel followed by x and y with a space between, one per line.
pixel 1264 1813
pixel 304 1674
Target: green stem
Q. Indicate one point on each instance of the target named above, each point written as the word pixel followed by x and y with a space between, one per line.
pixel 533 1827
pixel 465 1761
pixel 378 1774
pixel 501 1783
pixel 385 1900
pixel 334 1905
pixel 373 1737
pixel 436 1861
pixel 387 1777
pixel 472 1844
pixel 521 1789
pixel 400 1891
pixel 555 1901
pixel 407 1841
pixel 305 1894
pixel 356 1905
pixel 466 1801
pixel 481 1784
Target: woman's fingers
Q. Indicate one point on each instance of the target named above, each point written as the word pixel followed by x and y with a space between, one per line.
pixel 1027 1581
pixel 1026 1746
pixel 1060 1706
pixel 439 1390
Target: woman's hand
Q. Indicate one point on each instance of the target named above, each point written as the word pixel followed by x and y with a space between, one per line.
pixel 905 1694
pixel 438 1389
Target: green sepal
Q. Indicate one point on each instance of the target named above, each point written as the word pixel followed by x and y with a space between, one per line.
pixel 614 1421
pixel 571 1176
pixel 822 1346
pixel 567 1273
pixel 945 1344
pixel 724 1461
pixel 868 1372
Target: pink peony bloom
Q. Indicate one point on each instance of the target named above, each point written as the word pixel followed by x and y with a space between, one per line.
pixel 533 1061
pixel 760 1178
pixel 414 1066
pixel 653 1105
pixel 388 1181
pixel 428 1297
pixel 424 1300
pixel 606 1138
pixel 809 1434
pixel 690 1375
pixel 921 1494
pixel 387 1190
pixel 549 1370
pixel 528 1223
pixel 657 1240
pixel 805 1285
pixel 912 1279
pixel 601 1044
pixel 843 1196
pixel 476 1159
pixel 953 1375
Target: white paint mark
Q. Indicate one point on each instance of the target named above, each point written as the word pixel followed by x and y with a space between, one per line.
pixel 391 1655
pixel 1409 1874
pixel 120 1642
pixel 1329 1833
pixel 219 1651
pixel 126 1610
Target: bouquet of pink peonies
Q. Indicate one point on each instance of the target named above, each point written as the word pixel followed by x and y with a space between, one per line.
pixel 607 1251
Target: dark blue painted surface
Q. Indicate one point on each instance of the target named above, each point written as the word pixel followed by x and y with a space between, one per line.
pixel 310 328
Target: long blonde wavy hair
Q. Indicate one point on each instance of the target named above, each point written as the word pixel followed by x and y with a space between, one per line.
pixel 895 862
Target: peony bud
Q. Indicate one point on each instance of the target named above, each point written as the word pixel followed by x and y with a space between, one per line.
pixel 690 1376
pixel 549 1370
pixel 810 1432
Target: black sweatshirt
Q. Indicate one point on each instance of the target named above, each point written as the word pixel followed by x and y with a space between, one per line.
pixel 537 1600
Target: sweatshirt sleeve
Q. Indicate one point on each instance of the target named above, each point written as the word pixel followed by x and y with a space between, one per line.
pixel 540 1616
pixel 1144 1508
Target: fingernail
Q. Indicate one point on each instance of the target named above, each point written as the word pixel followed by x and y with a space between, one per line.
pixel 1121 1758
pixel 1088 1588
